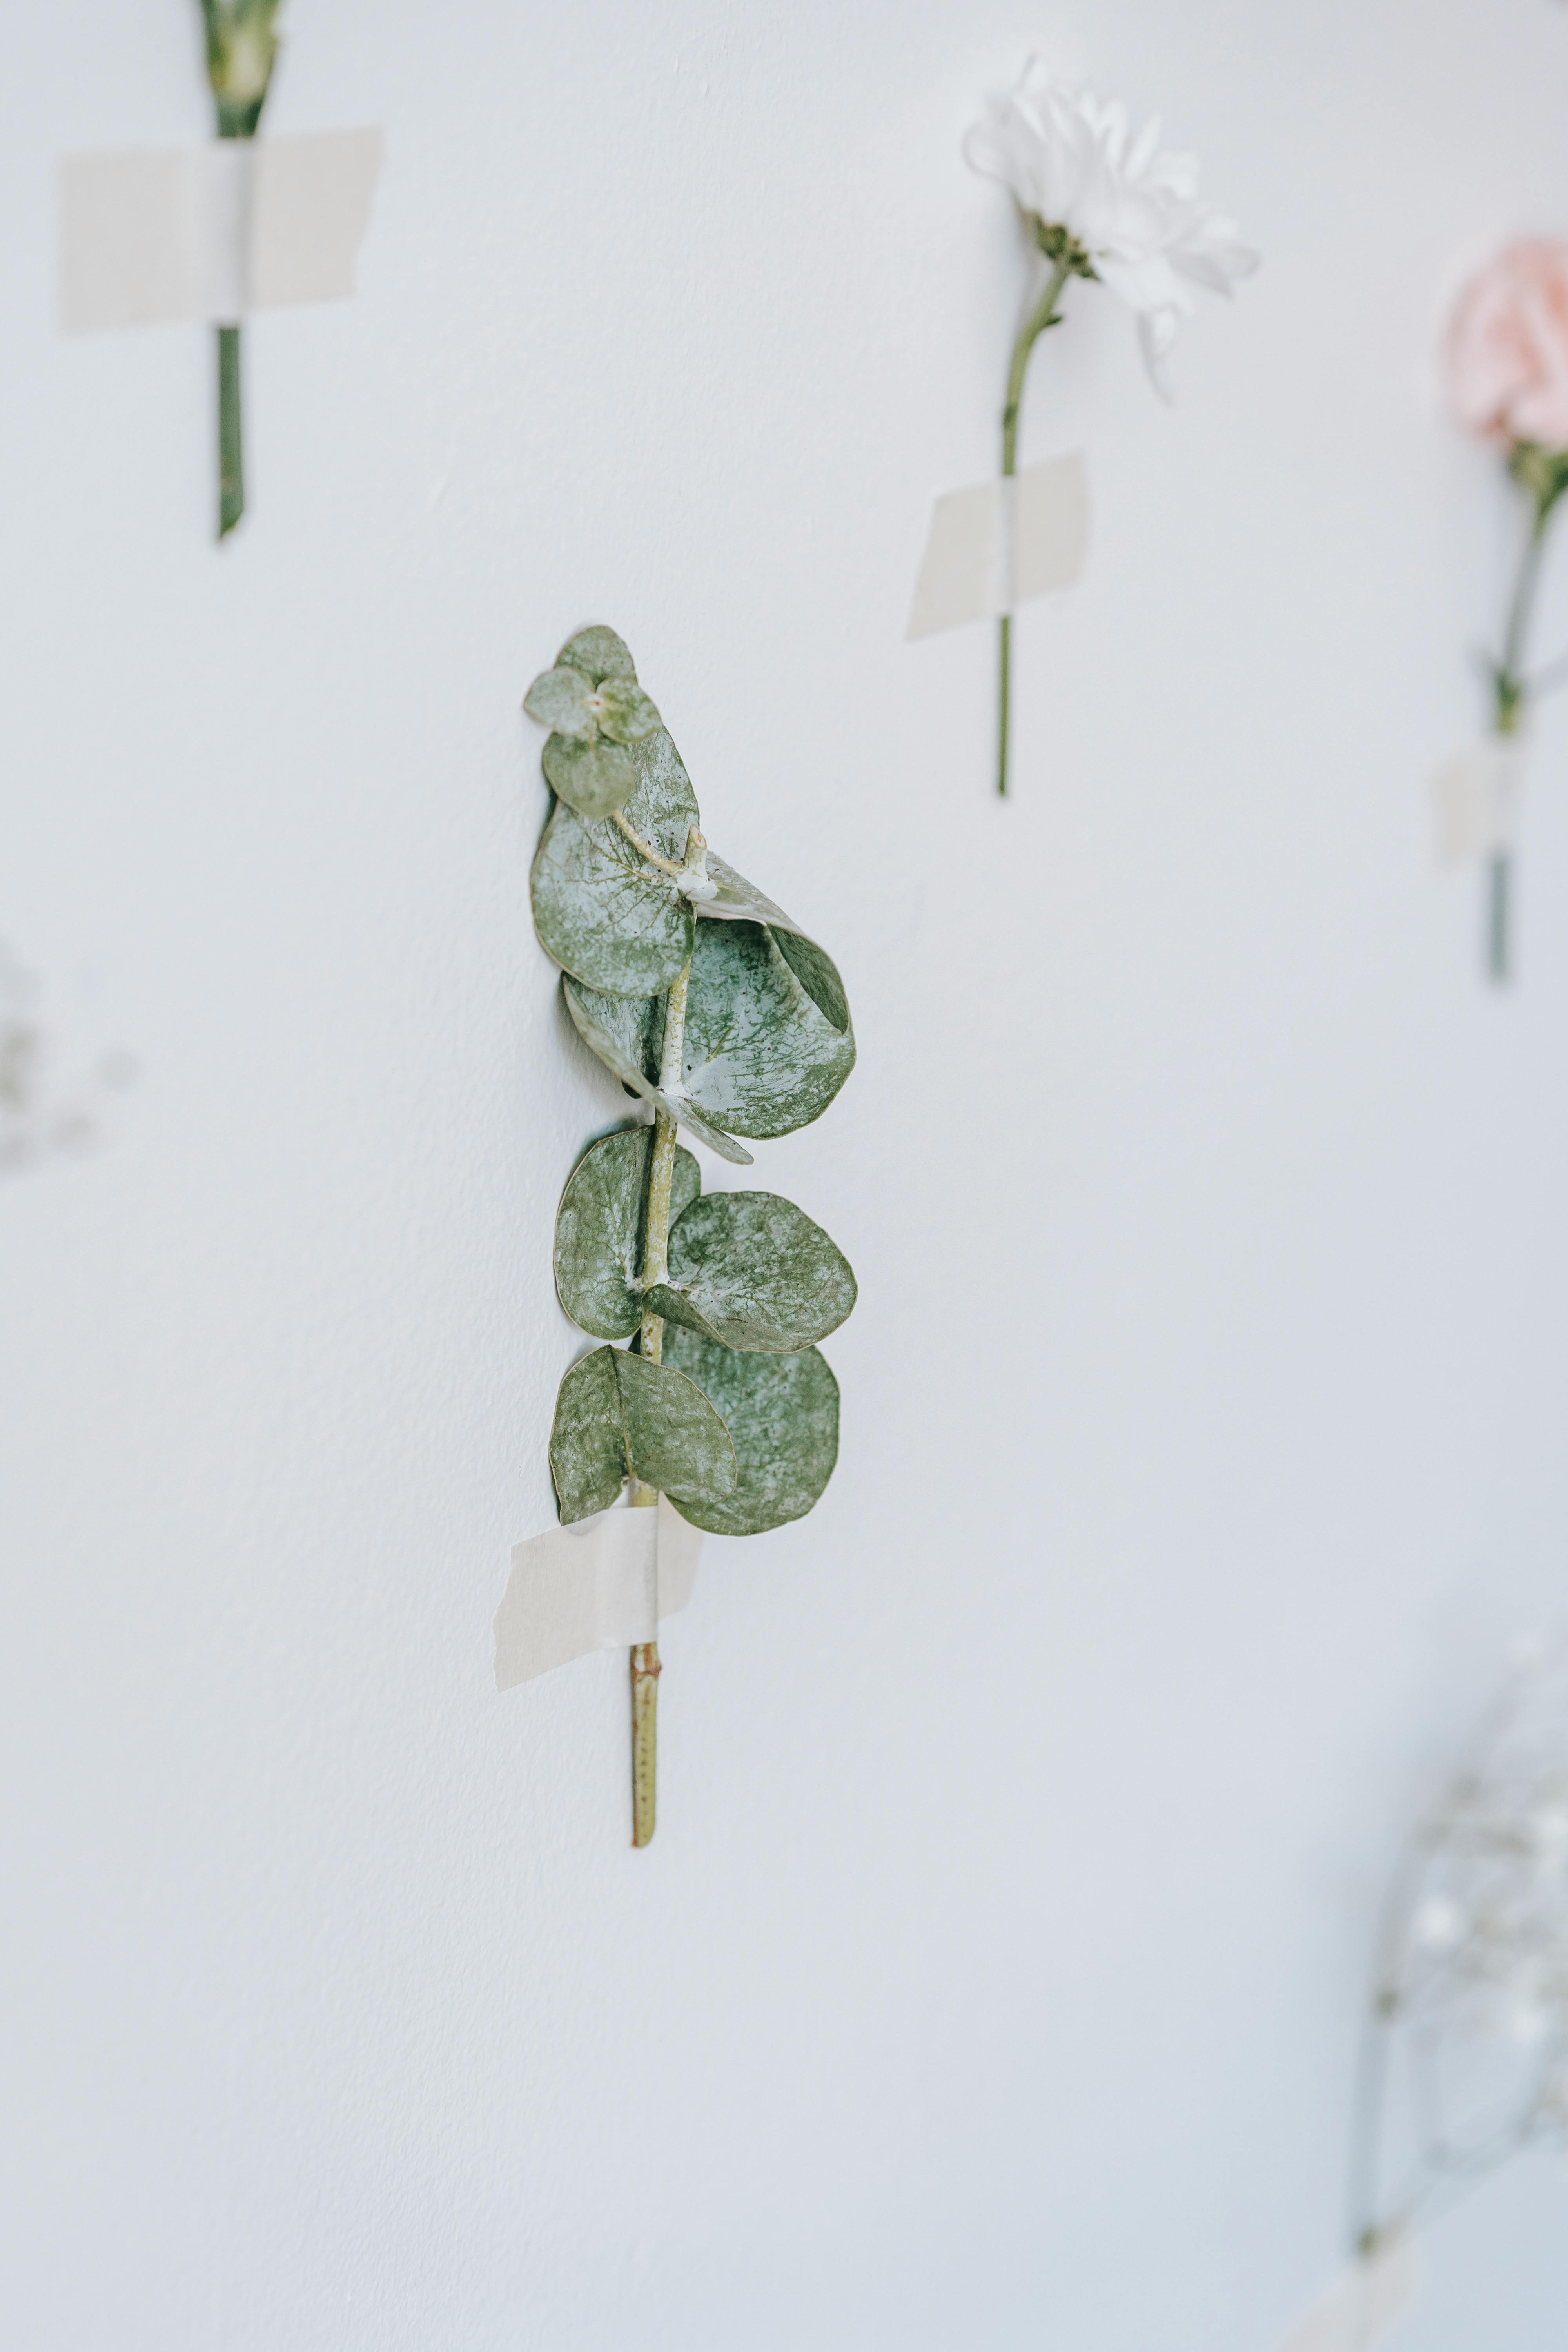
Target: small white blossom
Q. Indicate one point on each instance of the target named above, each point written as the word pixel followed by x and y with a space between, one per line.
pixel 1438 1922
pixel 1073 165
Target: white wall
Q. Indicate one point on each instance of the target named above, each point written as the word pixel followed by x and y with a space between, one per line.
pixel 993 1978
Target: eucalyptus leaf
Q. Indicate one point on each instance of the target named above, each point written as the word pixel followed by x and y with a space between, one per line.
pixel 600 910
pixel 599 1229
pixel 626 715
pixel 621 1030
pixel 619 1416
pixel 761 1056
pixel 817 974
pixel 751 1271
pixel 781 1412
pixel 599 654
pixel 593 777
pixel 736 900
pixel 676 1440
pixel 560 698
pixel 586 1005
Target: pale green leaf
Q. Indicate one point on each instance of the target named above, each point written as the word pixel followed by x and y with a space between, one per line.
pixel 761 1057
pixel 600 910
pixel 625 714
pixel 737 900
pixel 596 778
pixel 781 1412
pixel 818 975
pixel 753 1271
pixel 617 1416
pixel 560 698
pixel 587 1441
pixel 600 1228
pixel 674 1439
pixel 617 1029
pixel 599 654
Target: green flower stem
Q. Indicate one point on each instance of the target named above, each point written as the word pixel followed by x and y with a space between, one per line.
pixel 1510 695
pixel 241 51
pixel 645 1668
pixel 1042 316
pixel 230 437
pixel 1499 875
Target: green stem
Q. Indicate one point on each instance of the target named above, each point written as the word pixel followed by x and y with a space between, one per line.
pixel 230 440
pixel 1042 316
pixel 1499 874
pixel 1510 695
pixel 645 1661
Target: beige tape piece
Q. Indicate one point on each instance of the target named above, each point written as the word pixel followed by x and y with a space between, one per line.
pixel 602 1583
pixel 1474 801
pixel 211 232
pixel 1363 2301
pixel 996 545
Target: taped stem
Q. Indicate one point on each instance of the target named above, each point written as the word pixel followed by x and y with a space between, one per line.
pixel 1042 316
pixel 645 1663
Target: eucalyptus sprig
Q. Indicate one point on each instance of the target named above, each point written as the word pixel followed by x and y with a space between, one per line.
pixel 241 52
pixel 712 1006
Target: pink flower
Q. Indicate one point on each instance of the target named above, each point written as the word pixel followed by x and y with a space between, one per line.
pixel 1508 346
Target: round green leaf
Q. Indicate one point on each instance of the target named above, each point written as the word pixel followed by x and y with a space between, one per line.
pixel 587 1441
pixel 619 1416
pixel 598 653
pixel 623 1031
pixel 626 713
pixel 600 1228
pixel 736 900
pixel 781 1412
pixel 817 974
pixel 674 1439
pixel 594 777
pixel 761 1056
pixel 560 698
pixel 752 1271
pixel 600 910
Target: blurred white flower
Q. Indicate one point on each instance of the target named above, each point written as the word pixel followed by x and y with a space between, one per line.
pixel 1438 1923
pixel 1549 1828
pixel 1131 209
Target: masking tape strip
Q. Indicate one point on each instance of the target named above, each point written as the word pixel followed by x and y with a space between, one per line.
pixel 1475 800
pixel 601 1583
pixel 211 232
pixel 1363 2301
pixel 996 545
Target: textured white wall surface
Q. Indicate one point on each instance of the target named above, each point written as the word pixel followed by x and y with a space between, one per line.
pixel 993 1978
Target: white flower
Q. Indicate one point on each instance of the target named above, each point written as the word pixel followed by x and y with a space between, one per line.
pixel 1438 1923
pixel 1072 164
